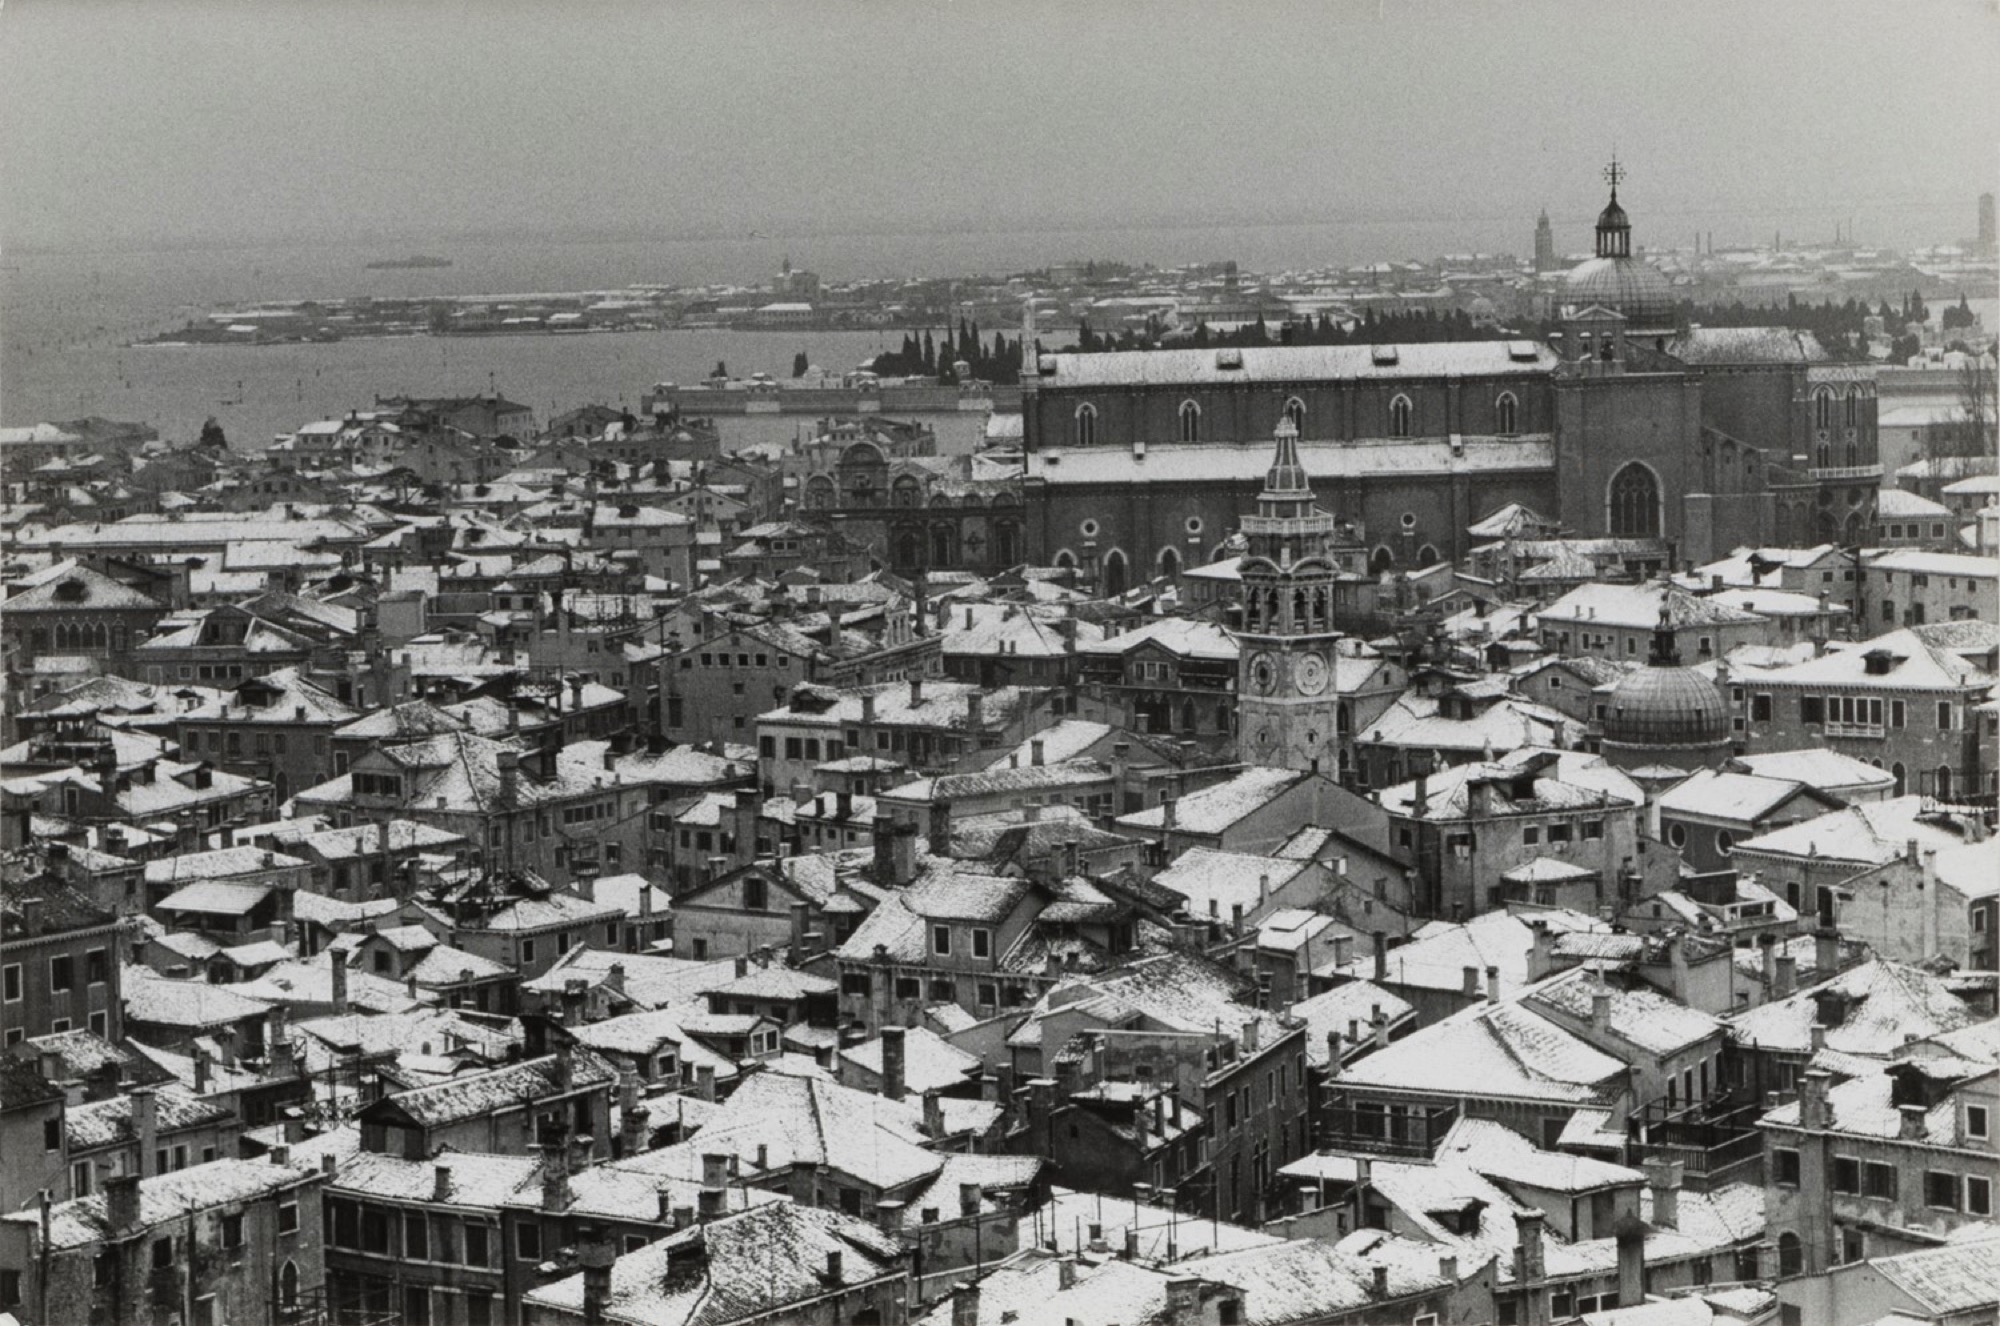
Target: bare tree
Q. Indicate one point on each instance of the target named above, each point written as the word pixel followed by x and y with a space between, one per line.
pixel 1965 445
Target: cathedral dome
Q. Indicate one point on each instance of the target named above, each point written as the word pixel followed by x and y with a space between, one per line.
pixel 1666 707
pixel 1626 286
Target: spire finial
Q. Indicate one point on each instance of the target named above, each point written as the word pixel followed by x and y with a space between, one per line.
pixel 1613 173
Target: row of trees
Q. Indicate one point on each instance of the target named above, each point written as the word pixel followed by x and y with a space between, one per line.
pixel 935 356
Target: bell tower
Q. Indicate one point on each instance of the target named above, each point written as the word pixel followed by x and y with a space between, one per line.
pixel 1286 700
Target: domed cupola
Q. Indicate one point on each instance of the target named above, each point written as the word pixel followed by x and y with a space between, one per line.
pixel 1666 714
pixel 1616 280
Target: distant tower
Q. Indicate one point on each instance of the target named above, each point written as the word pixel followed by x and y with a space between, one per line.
pixel 1988 240
pixel 1545 243
pixel 1286 702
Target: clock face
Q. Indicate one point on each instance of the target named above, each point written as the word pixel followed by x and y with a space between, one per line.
pixel 1263 674
pixel 1311 674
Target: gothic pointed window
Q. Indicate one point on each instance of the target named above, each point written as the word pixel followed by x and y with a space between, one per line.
pixel 1853 406
pixel 1190 421
pixel 1170 563
pixel 1295 410
pixel 943 550
pixel 1114 573
pixel 1635 503
pixel 1506 415
pixel 1399 417
pixel 1823 408
pixel 1086 425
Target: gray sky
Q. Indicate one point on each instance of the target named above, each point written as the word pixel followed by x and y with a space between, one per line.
pixel 129 123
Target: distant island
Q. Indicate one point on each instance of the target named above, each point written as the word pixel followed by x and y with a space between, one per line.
pixel 397 264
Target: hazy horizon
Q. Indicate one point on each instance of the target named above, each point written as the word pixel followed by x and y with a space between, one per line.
pixel 170 125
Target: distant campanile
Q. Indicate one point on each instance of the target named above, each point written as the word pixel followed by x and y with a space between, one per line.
pixel 1545 243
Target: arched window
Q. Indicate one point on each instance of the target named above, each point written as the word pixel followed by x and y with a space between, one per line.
pixel 1116 579
pixel 909 549
pixel 1170 563
pixel 1791 1254
pixel 1427 556
pixel 905 492
pixel 1295 410
pixel 819 493
pixel 1506 415
pixel 1188 723
pixel 288 1286
pixel 1902 777
pixel 1399 417
pixel 944 545
pixel 1086 425
pixel 1380 560
pixel 1635 503
pixel 1190 421
pixel 1853 406
pixel 1823 408
pixel 1066 560
pixel 1006 543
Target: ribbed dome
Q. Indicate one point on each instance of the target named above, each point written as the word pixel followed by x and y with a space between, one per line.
pixel 1625 285
pixel 1666 706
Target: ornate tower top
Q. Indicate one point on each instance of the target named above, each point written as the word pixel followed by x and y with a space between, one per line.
pixel 1287 525
pixel 1614 228
pixel 1287 491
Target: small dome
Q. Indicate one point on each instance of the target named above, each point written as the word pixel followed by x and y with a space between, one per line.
pixel 1613 217
pixel 1666 706
pixel 1624 285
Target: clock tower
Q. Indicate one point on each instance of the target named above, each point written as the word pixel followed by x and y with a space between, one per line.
pixel 1286 701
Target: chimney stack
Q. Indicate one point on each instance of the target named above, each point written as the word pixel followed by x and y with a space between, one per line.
pixel 1631 1236
pixel 1381 942
pixel 145 1127
pixel 339 966
pixel 121 1201
pixel 892 1062
pixel 1664 1178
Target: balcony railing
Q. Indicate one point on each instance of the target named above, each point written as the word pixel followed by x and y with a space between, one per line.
pixel 1856 730
pixel 1385 1129
pixel 1844 473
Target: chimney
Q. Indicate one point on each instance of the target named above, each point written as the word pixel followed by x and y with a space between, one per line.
pixel 1814 1110
pixel 555 1176
pixel 975 716
pixel 1826 951
pixel 1065 1273
pixel 1788 976
pixel 1529 1227
pixel 121 1201
pixel 1469 982
pixel 965 1303
pixel 596 1257
pixel 339 967
pixel 1131 1249
pixel 892 1062
pixel 145 1127
pixel 1380 1281
pixel 1912 1123
pixel 1631 1262
pixel 868 708
pixel 1381 941
pixel 1170 812
pixel 510 778
pixel 1492 985
pixel 969 1197
pixel 634 1129
pixel 1600 1012
pixel 833 1266
pixel 704 1076
pixel 440 1182
pixel 1664 1178
pixel 712 1202
pixel 798 942
pixel 1184 1301
pixel 916 691
pixel 1036 752
pixel 1769 945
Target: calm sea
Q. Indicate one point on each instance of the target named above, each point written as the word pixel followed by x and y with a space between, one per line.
pixel 67 319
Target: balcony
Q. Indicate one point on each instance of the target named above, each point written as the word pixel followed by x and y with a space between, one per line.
pixel 1715 1142
pixel 1875 731
pixel 1383 1128
pixel 1844 473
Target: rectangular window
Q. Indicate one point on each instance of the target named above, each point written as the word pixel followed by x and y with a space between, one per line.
pixel 528 1241
pixel 941 939
pixel 1976 1121
pixel 232 1231
pixel 982 943
pixel 475 1245
pixel 10 979
pixel 1896 713
pixel 62 973
pixel 96 969
pixel 1812 709
pixel 1846 1174
pixel 52 1134
pixel 1978 1195
pixel 1944 715
pixel 1760 708
pixel 1878 1181
pixel 1785 1164
pixel 163 1254
pixel 288 1217
pixel 416 1236
pixel 1940 1190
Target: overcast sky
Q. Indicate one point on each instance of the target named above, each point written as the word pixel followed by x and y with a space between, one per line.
pixel 172 122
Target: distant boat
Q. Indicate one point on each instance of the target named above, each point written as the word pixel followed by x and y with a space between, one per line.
pixel 416 260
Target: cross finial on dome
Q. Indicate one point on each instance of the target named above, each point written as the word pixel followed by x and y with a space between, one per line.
pixel 1613 173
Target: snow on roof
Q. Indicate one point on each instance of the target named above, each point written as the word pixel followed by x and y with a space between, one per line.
pixel 504 1088
pixel 1639 607
pixel 1500 1153
pixel 1328 463
pixel 171 1198
pixel 1354 1002
pixel 1884 1005
pixel 215 898
pixel 218 864
pixel 1640 1015
pixel 1453 359
pixel 1868 833
pixel 1215 808
pixel 1508 1051
pixel 1183 637
pixel 930 1062
pixel 1215 883
pixel 1818 768
pixel 1866 1107
pixel 1718 794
